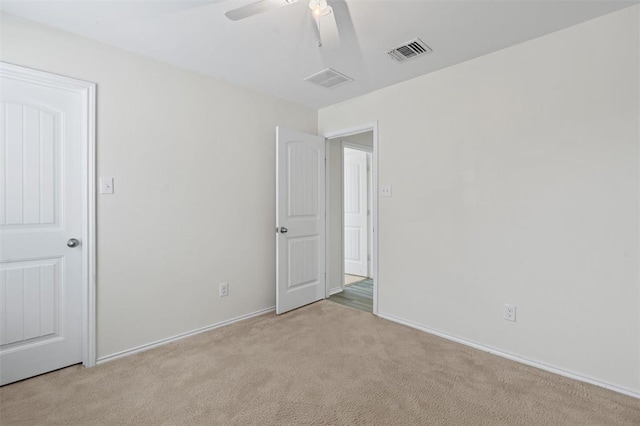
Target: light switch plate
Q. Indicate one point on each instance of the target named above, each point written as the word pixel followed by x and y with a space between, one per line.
pixel 106 185
pixel 385 190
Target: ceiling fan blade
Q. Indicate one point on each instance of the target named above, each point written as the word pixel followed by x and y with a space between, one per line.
pixel 256 8
pixel 344 23
pixel 341 39
pixel 316 28
pixel 328 31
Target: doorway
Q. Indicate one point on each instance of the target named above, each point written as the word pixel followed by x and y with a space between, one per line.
pixel 351 210
pixel 310 264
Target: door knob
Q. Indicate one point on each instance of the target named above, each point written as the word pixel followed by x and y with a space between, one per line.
pixel 283 230
pixel 73 243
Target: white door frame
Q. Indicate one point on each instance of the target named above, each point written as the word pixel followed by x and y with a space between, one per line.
pixel 88 92
pixel 369 127
pixel 346 144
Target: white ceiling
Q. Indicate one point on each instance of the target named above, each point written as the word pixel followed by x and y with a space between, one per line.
pixel 273 52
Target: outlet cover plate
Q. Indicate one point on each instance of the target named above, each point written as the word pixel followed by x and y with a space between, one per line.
pixel 223 289
pixel 510 312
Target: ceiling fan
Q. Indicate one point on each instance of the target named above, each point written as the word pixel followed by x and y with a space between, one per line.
pixel 318 9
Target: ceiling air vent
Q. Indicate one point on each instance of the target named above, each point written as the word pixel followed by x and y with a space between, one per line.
pixel 409 50
pixel 328 78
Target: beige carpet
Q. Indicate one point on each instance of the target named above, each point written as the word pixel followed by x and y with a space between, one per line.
pixel 322 364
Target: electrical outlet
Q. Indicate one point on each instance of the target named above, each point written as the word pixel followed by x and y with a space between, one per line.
pixel 223 290
pixel 510 312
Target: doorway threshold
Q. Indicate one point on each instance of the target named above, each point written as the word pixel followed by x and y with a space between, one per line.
pixel 358 296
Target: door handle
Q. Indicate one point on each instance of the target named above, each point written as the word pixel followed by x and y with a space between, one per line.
pixel 73 243
pixel 283 230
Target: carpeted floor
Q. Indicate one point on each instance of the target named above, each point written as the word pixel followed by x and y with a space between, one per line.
pixel 321 364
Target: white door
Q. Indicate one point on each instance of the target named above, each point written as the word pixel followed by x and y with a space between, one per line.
pixel 300 219
pixel 40 211
pixel 355 213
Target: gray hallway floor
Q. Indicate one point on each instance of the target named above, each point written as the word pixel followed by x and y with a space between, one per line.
pixel 359 296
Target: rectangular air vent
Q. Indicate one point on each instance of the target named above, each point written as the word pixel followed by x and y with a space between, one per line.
pixel 328 78
pixel 409 50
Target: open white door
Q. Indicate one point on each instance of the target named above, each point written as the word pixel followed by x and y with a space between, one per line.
pixel 41 165
pixel 300 219
pixel 356 230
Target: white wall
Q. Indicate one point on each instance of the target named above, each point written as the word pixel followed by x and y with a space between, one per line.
pixel 516 179
pixel 193 161
pixel 334 273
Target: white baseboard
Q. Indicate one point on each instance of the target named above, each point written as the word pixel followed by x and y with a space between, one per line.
pixel 335 290
pixel 161 342
pixel 516 358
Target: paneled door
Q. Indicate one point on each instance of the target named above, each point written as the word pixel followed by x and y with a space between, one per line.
pixel 41 187
pixel 356 204
pixel 300 219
